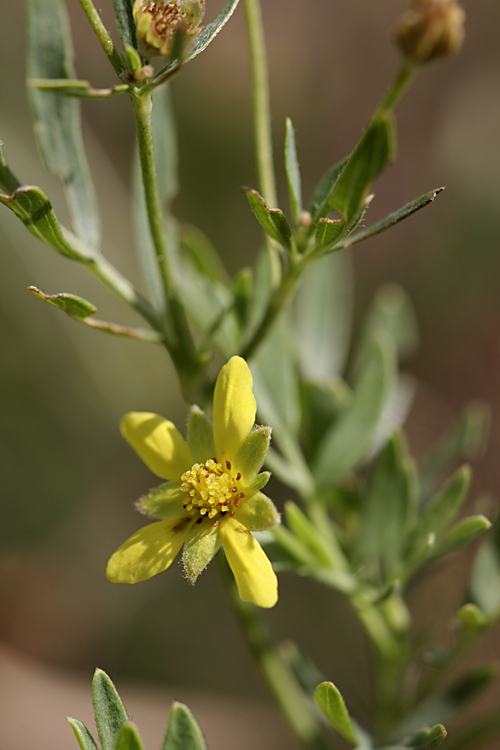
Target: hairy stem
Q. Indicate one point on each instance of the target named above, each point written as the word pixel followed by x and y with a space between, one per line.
pixel 279 677
pixel 103 36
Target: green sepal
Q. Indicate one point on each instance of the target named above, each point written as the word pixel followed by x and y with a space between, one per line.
pixel 472 619
pixel 460 535
pixel 202 544
pixel 134 62
pixel 109 711
pixel 82 734
pixel 441 510
pixel 272 220
pixel 293 173
pixel 258 513
pixel 183 731
pixel 75 306
pixel 129 739
pixel 261 480
pixel 331 702
pixel 165 501
pixel 373 153
pixel 200 436
pixel 252 453
pixel 345 445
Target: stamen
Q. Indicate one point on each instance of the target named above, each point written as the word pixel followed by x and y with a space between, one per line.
pixel 228 465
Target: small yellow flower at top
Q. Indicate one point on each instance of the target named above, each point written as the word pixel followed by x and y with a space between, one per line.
pixel 213 495
pixel 157 22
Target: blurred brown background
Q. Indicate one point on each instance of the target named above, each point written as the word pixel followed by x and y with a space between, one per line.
pixel 69 481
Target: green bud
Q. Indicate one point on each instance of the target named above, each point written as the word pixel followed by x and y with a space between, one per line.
pixel 158 22
pixel 431 29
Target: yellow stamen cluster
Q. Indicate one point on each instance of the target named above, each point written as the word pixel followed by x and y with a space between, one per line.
pixel 212 492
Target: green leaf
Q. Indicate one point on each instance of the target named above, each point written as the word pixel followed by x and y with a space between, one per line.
pixel 109 711
pixel 461 535
pixel 322 314
pixel 322 404
pixel 81 310
pixel 129 739
pixel 319 203
pixel 471 618
pixel 390 220
pixel 203 40
pixel 441 510
pixel 373 153
pixel 392 314
pixel 34 209
pixel 330 700
pixel 304 530
pixel 272 220
pixel 465 439
pixel 74 87
pixel 346 443
pixel 125 22
pixel 57 119
pixel 327 232
pixel 424 739
pixel 8 181
pixel 203 254
pixel 293 173
pixel 75 306
pixel 485 580
pixel 388 508
pixel 82 734
pixel 183 732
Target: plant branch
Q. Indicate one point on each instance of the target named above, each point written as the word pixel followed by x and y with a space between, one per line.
pixel 103 36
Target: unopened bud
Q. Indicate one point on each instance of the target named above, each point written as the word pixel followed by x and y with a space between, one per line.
pixel 431 29
pixel 158 22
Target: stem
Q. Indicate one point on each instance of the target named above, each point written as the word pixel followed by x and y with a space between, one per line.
pixel 404 78
pixel 103 35
pixel 262 120
pixel 278 675
pixel 178 339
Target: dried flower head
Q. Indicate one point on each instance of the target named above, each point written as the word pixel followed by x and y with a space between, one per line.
pixel 431 29
pixel 158 22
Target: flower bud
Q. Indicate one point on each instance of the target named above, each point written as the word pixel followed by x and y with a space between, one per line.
pixel 157 23
pixel 431 29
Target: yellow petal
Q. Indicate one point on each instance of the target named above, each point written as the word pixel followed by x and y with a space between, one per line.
pixel 159 443
pixel 255 577
pixel 149 551
pixel 234 409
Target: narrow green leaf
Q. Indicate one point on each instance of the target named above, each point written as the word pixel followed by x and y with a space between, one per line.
pixel 322 404
pixel 74 87
pixel 272 220
pixel 304 530
pixel 125 22
pixel 262 276
pixel 183 731
pixel 75 306
pixel 165 140
pixel 327 232
pixel 442 509
pixel 485 580
pixel 390 220
pixel 8 181
pixel 203 40
pixel 373 153
pixel 346 443
pixel 293 173
pixel 392 314
pixel 465 439
pixel 34 209
pixel 203 254
pixel 81 310
pixel 322 314
pixel 129 739
pixel 57 119
pixel 82 734
pixel 428 739
pixel 109 711
pixel 319 203
pixel 388 508
pixel 461 535
pixel 330 700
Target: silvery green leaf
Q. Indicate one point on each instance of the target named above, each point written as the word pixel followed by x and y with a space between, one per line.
pixel 129 739
pixel 57 118
pixel 183 731
pixel 331 702
pixel 272 220
pixel 82 734
pixel 109 711
pixel 293 173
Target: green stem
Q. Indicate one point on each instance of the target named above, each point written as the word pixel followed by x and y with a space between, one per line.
pixel 295 706
pixel 178 338
pixel 404 78
pixel 103 35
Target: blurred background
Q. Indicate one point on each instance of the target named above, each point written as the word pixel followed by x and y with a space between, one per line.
pixel 69 481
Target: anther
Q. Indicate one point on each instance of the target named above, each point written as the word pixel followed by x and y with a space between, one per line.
pixel 228 465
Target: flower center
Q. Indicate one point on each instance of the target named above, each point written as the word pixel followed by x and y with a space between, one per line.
pixel 211 491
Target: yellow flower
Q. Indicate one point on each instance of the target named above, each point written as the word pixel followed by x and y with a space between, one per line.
pixel 213 494
pixel 157 22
